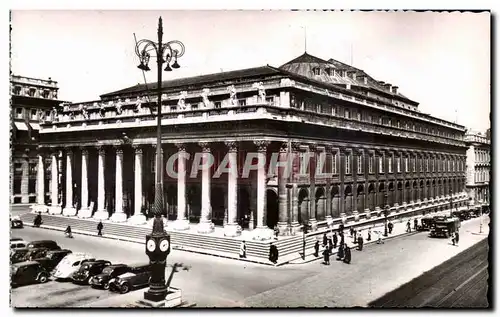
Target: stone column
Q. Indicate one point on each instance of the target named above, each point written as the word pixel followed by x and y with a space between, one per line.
pixel 101 212
pixel 119 215
pixel 313 222
pixel 25 177
pixel 181 223
pixel 205 225
pixel 294 223
pixel 69 210
pixel 262 232
pixel 231 228
pixel 40 207
pixel 138 217
pixel 342 162
pixel 55 208
pixel 282 191
pixel 328 189
pixel 85 211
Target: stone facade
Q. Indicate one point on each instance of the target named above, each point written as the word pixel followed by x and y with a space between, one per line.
pixel 478 168
pixel 374 146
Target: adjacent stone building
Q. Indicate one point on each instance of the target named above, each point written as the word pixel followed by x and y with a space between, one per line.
pixel 478 168
pixel 380 150
pixel 32 100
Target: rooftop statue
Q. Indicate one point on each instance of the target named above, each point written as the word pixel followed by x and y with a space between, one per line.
pixel 118 106
pixel 182 100
pixel 232 95
pixel 204 96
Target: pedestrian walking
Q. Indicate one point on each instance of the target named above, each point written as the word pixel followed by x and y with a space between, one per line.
pixel 453 239
pixel 38 220
pixel 330 246
pixel 351 231
pixel 457 236
pixel 415 224
pixel 335 240
pixel 276 231
pixel 273 253
pixel 68 232
pixel 316 249
pixel 347 255
pixel 326 256
pixel 99 228
pixel 360 242
pixel 390 226
pixel 341 238
pixel 355 236
pixel 379 238
pixel 341 228
pixel 325 239
pixel 243 250
pixel 369 238
pixel 408 226
pixel 340 253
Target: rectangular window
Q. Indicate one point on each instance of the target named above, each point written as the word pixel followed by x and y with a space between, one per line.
pixel 432 164
pixel 358 116
pixel 242 102
pixel 348 163
pixel 414 164
pixel 421 161
pixel 426 164
pixel 398 160
pixel 360 164
pixel 346 114
pixel 32 186
pixel 19 113
pixel 370 164
pixel 33 169
pixel 17 186
pixel 217 104
pixel 33 114
pixel 389 161
pixel 381 164
pixel 406 165
pixel 334 164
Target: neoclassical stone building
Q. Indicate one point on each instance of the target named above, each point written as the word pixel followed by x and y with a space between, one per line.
pixel 31 100
pixel 478 167
pixel 380 150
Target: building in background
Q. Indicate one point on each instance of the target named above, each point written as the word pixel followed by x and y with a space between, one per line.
pixel 32 100
pixel 478 168
pixel 380 149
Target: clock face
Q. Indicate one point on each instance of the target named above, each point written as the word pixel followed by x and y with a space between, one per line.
pixel 151 245
pixel 164 245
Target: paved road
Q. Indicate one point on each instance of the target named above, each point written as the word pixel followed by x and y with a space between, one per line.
pixel 461 281
pixel 210 281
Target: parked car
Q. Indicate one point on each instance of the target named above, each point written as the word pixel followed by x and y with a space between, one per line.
pixel 48 244
pixel 108 273
pixel 17 243
pixel 70 264
pixel 444 228
pixel 88 270
pixel 52 258
pixel 16 222
pixel 27 273
pixel 27 254
pixel 138 277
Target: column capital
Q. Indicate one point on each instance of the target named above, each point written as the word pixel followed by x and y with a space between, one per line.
pixel 85 150
pixel 101 149
pixel 284 147
pixel 118 149
pixel 232 146
pixel 205 146
pixel 69 150
pixel 379 151
pixel 359 150
pixel 296 146
pixel 137 148
pixel 313 147
pixel 181 147
pixel 261 145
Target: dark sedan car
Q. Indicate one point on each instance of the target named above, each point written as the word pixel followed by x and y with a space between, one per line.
pixel 88 270
pixel 138 277
pixel 27 254
pixel 16 222
pixel 48 244
pixel 109 272
pixel 52 258
pixel 27 273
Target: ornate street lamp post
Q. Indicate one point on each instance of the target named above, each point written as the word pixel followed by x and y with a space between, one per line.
pixel 386 214
pixel 158 242
pixel 451 203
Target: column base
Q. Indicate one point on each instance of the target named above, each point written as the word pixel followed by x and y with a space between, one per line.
pixel 118 217
pixel 69 212
pixel 262 234
pixel 101 215
pixel 313 224
pixel 85 213
pixel 165 222
pixel 356 215
pixel 232 230
pixel 137 219
pixel 368 213
pixel 283 228
pixel 55 210
pixel 294 228
pixel 205 227
pixel 343 217
pixel 181 224
pixel 39 208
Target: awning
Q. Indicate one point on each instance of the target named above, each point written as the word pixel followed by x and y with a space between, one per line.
pixel 21 126
pixel 35 126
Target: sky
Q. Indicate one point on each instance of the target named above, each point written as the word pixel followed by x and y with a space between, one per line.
pixel 441 60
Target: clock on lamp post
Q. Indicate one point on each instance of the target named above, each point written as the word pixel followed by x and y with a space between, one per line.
pixel 157 249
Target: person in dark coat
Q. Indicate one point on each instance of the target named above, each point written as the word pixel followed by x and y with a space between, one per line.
pixel 408 226
pixel 415 224
pixel 68 232
pixel 369 238
pixel 360 242
pixel 316 249
pixel 390 226
pixel 354 236
pixel 341 228
pixel 457 236
pixel 341 238
pixel 243 250
pixel 330 246
pixel 347 256
pixel 38 220
pixel 99 228
pixel 325 239
pixel 351 231
pixel 326 256
pixel 273 253
pixel 340 253
pixel 335 240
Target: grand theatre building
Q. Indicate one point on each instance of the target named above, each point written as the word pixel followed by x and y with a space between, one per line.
pixel 380 151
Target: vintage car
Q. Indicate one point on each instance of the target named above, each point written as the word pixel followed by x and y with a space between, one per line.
pixel 48 244
pixel 17 243
pixel 108 273
pixel 27 272
pixel 52 258
pixel 70 264
pixel 16 222
pixel 88 270
pixel 461 214
pixel 138 277
pixel 26 254
pixel 445 227
pixel 426 223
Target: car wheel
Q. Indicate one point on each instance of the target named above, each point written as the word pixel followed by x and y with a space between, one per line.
pixel 106 286
pixel 43 278
pixel 125 288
